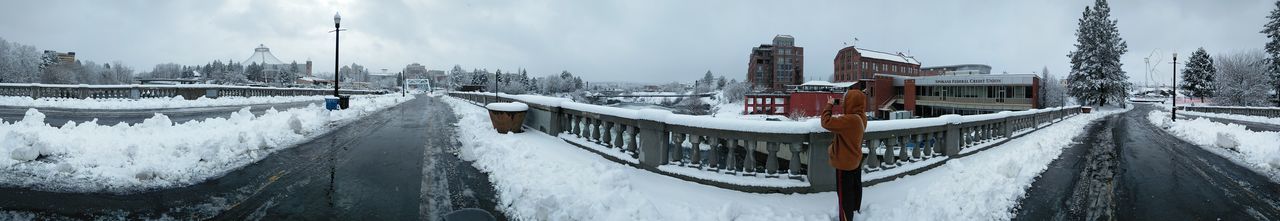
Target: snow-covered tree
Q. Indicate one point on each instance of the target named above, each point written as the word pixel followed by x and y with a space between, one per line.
pixel 1096 76
pixel 1197 76
pixel 735 91
pixel 1272 31
pixel 1242 79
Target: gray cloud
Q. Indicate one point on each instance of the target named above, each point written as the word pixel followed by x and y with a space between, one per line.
pixel 647 41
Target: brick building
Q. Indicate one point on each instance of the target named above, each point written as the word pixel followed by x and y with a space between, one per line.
pixel 857 64
pixel 774 66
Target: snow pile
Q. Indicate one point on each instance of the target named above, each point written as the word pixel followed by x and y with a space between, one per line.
pixel 1256 150
pixel 508 107
pixel 983 186
pixel 1256 119
pixel 150 103
pixel 540 177
pixel 157 153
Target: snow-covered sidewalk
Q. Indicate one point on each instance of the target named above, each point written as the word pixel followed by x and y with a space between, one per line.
pixel 1256 150
pixel 153 103
pixel 158 153
pixel 541 177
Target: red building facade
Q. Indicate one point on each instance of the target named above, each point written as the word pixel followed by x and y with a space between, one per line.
pixel 856 64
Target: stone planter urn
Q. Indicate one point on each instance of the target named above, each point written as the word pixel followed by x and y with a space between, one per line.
pixel 1086 109
pixel 507 117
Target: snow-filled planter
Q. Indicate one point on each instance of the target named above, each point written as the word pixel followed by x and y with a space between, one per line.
pixel 507 117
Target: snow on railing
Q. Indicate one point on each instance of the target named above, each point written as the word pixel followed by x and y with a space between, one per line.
pixel 766 156
pixel 135 91
pixel 1272 112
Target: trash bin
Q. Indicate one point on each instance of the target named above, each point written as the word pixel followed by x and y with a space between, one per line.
pixel 1086 109
pixel 331 103
pixel 344 101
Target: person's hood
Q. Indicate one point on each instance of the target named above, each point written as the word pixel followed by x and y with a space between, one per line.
pixel 855 102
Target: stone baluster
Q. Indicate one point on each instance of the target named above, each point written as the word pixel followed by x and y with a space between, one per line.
pixel 594 124
pixel 793 165
pixel 982 133
pixel 872 159
pixel 618 138
pixel 771 164
pixel 605 139
pixel 713 160
pixel 677 148
pixel 695 151
pixel 749 158
pixel 632 146
pixel 577 124
pixel 729 161
pixel 902 149
pixel 919 146
pixel 889 153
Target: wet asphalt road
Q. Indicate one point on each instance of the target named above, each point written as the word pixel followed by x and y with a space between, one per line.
pixel 1126 168
pixel 398 164
pixel 58 116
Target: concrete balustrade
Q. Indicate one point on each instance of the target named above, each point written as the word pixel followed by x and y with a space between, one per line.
pixel 190 92
pixel 1272 112
pixel 798 155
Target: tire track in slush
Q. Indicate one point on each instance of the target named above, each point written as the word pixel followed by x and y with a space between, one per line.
pixel 1093 195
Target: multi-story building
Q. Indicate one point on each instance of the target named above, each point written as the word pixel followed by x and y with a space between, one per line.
pixel 929 96
pixel 774 66
pixel 60 58
pixel 854 64
pixel 415 71
pixel 922 96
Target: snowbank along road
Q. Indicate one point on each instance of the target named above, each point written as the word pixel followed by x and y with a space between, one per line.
pixel 58 116
pixel 399 164
pixel 1126 168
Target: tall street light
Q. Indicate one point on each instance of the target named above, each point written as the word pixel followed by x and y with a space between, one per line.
pixel 1173 114
pixel 337 27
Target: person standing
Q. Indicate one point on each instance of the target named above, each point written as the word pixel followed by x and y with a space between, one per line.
pixel 845 152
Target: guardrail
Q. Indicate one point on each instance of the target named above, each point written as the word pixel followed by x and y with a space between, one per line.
pixel 190 92
pixel 765 156
pixel 1273 112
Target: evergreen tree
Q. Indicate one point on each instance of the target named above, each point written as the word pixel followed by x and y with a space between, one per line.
pixel 1272 30
pixel 1096 76
pixel 1197 76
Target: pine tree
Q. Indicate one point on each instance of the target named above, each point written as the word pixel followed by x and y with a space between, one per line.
pixel 1272 30
pixel 1197 76
pixel 1096 75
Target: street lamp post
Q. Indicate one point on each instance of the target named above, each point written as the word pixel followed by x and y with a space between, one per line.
pixel 337 27
pixel 1173 114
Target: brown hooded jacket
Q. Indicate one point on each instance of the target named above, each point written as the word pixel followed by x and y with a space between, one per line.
pixel 845 151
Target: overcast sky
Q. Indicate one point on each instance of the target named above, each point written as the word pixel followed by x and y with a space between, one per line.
pixel 641 41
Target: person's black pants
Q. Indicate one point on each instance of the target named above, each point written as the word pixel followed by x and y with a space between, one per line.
pixel 848 192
